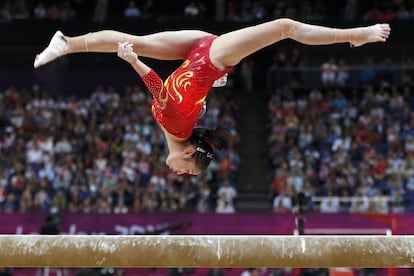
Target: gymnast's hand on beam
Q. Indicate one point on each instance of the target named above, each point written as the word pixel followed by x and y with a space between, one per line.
pixel 126 52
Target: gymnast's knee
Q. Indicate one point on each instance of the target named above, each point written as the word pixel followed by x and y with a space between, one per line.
pixel 286 26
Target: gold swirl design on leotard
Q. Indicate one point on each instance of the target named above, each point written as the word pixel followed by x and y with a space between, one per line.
pixel 181 82
pixel 162 98
pixel 166 86
pixel 202 100
pixel 185 63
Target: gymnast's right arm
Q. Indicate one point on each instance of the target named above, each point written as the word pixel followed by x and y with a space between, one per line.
pixel 151 79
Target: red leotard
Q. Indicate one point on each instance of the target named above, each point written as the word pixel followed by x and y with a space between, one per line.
pixel 177 101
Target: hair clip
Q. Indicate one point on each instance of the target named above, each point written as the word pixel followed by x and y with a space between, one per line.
pixel 208 154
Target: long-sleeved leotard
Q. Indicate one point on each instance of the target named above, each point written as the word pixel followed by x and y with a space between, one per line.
pixel 177 101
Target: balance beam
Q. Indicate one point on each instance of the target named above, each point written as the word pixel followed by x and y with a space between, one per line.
pixel 206 251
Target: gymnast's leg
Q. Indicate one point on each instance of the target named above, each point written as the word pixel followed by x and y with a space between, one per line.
pixel 228 49
pixel 169 45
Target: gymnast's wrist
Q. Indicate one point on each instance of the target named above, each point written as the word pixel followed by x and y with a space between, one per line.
pixel 136 61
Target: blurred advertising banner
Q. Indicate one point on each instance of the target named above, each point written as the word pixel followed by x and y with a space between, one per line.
pixel 203 223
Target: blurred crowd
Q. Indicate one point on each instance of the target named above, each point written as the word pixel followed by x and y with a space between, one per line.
pixel 103 153
pixel 220 10
pixel 351 134
pixel 343 138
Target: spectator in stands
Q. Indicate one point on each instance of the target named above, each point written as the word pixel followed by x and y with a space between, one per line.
pixel 258 11
pixel 232 12
pixel 66 12
pixel 329 72
pixel 39 11
pixel 20 10
pixel 213 272
pixel 53 12
pixel 403 13
pixel 251 272
pixel 132 11
pixel 229 192
pixel 204 203
pixel 224 206
pixel 283 203
pixel 368 74
pixel 279 182
pixel 329 204
pixel 360 206
pixel 191 11
pixel 342 76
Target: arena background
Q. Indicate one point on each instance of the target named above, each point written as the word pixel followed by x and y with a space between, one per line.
pixel 306 153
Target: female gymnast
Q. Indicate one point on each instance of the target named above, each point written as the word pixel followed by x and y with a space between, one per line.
pixel 207 59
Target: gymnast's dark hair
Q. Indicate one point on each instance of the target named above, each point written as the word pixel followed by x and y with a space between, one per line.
pixel 205 141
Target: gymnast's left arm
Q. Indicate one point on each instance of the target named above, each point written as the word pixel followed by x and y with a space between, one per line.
pixel 151 79
pixel 126 52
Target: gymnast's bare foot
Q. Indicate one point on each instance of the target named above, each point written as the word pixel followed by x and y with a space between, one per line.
pixel 374 33
pixel 56 48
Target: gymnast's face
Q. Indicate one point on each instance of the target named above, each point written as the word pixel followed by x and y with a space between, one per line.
pixel 182 163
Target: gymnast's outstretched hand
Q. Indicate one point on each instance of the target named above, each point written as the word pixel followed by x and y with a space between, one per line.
pixel 126 52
